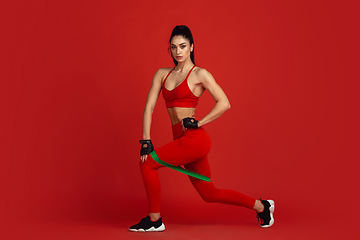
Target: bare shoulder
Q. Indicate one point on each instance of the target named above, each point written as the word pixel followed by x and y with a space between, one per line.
pixel 160 74
pixel 203 75
pixel 162 71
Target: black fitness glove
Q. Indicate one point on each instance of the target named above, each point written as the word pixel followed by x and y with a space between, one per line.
pixel 190 122
pixel 146 147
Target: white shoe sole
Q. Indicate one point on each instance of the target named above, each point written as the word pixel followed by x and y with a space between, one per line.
pixel 152 229
pixel 272 210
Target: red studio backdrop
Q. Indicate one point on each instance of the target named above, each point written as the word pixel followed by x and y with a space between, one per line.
pixel 74 80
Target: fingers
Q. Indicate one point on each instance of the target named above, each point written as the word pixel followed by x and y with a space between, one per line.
pixel 143 158
pixel 182 126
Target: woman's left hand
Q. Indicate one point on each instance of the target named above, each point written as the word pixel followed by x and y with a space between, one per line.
pixel 189 123
pixel 182 126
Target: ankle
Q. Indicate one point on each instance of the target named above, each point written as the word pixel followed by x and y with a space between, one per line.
pixel 154 216
pixel 259 206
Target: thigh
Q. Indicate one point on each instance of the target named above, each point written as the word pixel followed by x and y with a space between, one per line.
pixel 200 166
pixel 191 146
pixel 206 189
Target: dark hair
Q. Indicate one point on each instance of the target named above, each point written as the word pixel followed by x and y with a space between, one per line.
pixel 182 30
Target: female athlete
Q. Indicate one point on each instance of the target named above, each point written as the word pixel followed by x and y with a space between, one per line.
pixel 181 88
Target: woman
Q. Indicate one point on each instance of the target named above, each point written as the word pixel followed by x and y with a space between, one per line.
pixel 181 87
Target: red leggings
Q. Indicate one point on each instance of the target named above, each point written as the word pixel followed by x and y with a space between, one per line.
pixel 190 149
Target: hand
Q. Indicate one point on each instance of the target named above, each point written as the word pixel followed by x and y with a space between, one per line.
pixel 189 123
pixel 146 148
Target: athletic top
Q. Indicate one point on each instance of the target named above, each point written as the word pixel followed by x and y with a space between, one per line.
pixel 181 95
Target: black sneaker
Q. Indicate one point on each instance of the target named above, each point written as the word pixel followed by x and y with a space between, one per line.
pixel 266 216
pixel 146 225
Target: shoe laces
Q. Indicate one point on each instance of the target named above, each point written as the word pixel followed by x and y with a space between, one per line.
pixel 259 218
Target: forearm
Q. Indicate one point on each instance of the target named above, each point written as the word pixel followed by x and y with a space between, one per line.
pixel 147 117
pixel 219 108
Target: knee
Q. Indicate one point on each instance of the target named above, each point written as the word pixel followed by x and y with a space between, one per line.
pixel 207 191
pixel 209 198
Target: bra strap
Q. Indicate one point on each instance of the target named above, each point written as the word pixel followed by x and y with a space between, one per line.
pixel 167 76
pixel 189 72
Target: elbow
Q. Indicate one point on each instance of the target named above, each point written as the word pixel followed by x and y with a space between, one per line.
pixel 227 106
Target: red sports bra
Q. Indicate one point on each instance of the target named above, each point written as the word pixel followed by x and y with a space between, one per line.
pixel 180 96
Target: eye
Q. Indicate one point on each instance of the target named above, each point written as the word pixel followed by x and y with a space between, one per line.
pixel 183 46
pixel 173 47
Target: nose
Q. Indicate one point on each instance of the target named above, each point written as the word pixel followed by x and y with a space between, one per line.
pixel 178 50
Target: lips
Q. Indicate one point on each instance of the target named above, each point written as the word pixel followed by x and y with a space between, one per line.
pixel 179 57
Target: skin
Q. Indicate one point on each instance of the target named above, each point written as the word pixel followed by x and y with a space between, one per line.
pixel 198 81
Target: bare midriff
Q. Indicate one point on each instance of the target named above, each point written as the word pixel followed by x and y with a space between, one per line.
pixel 176 114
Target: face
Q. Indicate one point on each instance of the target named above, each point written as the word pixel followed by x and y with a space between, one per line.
pixel 180 48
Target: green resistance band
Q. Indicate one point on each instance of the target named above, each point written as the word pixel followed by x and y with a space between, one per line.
pixel 178 168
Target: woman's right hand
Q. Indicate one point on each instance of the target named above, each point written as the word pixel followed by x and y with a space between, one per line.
pixel 149 109
pixel 146 148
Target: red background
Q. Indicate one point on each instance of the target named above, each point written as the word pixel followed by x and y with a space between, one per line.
pixel 74 79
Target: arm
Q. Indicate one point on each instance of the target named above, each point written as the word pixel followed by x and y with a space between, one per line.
pixel 222 102
pixel 150 106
